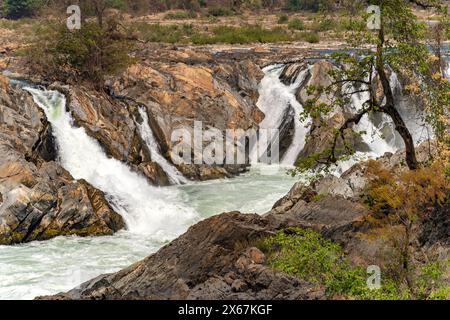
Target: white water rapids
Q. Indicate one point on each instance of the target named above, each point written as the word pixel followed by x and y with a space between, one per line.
pixel 276 101
pixel 146 209
pixel 175 176
pixel 154 215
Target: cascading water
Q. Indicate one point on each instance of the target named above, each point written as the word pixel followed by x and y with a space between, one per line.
pixel 146 209
pixel 277 101
pixel 175 176
pixel 154 215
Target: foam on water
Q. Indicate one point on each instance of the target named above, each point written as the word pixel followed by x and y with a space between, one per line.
pixel 175 176
pixel 146 209
pixel 276 100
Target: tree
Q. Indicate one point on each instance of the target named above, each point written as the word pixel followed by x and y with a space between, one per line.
pixel 399 47
pixel 16 9
pixel 90 54
pixel 98 8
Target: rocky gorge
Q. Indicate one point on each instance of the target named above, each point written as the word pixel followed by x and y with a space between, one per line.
pixel 216 258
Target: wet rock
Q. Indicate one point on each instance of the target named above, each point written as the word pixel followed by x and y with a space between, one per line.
pixel 55 205
pixel 41 200
pixel 187 85
pixel 204 172
pixel 154 173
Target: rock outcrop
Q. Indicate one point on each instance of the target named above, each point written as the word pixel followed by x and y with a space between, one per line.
pixel 41 200
pixel 183 86
pixel 213 260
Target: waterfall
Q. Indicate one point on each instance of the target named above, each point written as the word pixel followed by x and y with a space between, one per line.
pixel 145 209
pixel 175 176
pixel 447 71
pixel 277 101
pixel 301 128
pixel 372 134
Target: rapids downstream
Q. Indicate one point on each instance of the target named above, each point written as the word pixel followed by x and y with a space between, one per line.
pixel 155 216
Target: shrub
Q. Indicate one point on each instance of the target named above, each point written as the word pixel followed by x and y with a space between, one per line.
pixel 173 33
pixel 283 19
pixel 305 254
pixel 324 25
pixel 311 37
pixel 180 15
pixel 220 12
pixel 241 35
pixel 91 53
pixel 296 24
pixel 313 5
pixel 15 9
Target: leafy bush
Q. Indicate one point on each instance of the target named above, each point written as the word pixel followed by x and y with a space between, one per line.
pixel 311 37
pixel 15 9
pixel 180 15
pixel 324 25
pixel 352 25
pixel 91 53
pixel 220 12
pixel 313 5
pixel 305 254
pixel 241 35
pixel 173 33
pixel 296 24
pixel 282 19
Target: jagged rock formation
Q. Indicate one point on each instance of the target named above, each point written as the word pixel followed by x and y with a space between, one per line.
pixel 210 261
pixel 41 200
pixel 184 86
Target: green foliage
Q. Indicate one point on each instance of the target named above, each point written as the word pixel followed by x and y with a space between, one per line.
pixel 305 254
pixel 324 24
pixel 91 53
pixel 247 34
pixel 313 5
pixel 117 4
pixel 282 19
pixel 180 15
pixel 165 33
pixel 430 284
pixel 220 12
pixel 311 37
pixel 15 9
pixel 296 24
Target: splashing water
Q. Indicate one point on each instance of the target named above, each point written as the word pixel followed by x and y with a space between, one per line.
pixel 145 209
pixel 175 176
pixel 277 101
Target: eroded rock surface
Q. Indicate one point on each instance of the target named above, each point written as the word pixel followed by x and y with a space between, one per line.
pixel 213 260
pixel 41 200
